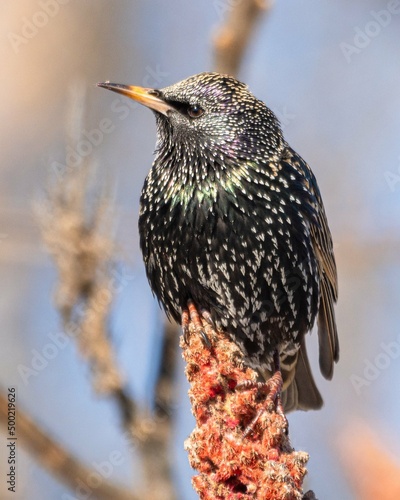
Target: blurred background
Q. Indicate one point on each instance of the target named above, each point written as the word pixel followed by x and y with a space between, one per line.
pixel 331 72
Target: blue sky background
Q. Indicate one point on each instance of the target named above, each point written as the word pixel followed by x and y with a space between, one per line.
pixel 340 112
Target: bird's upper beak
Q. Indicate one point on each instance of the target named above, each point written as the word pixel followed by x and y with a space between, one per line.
pixel 147 97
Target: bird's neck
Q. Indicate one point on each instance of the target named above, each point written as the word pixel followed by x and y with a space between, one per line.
pixel 189 175
pixel 183 175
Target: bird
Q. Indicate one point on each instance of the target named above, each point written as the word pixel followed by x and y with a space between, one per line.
pixel 233 228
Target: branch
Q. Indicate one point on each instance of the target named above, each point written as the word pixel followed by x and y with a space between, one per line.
pixel 372 471
pixel 77 233
pixel 231 463
pixel 80 243
pixel 58 461
pixel 153 435
pixel 233 37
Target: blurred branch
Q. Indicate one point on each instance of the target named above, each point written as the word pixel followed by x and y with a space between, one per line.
pixel 79 239
pixel 232 461
pixel 371 470
pixel 58 461
pixel 153 435
pixel 157 454
pixel 234 35
pixel 83 251
pixel 77 233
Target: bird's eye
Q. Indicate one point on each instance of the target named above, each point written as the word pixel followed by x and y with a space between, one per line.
pixel 195 111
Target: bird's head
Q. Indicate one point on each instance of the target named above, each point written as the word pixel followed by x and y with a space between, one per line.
pixel 211 115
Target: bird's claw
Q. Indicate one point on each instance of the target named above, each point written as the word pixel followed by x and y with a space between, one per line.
pixel 185 326
pixel 191 314
pixel 274 387
pixel 207 317
pixel 205 339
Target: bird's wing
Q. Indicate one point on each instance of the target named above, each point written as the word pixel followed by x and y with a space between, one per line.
pixel 323 247
pixel 327 332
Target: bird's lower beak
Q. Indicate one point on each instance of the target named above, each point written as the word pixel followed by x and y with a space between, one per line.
pixel 147 97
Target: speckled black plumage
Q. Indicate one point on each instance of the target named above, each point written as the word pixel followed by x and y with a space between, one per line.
pixel 232 218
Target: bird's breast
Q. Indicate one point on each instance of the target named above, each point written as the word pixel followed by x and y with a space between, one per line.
pixel 236 251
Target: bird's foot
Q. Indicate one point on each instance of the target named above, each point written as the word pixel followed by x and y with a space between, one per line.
pixel 192 314
pixel 273 388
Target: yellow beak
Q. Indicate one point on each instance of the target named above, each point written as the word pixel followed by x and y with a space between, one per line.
pixel 147 97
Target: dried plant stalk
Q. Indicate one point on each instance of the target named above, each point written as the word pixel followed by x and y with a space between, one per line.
pixel 77 230
pixel 80 243
pixel 233 36
pixel 232 464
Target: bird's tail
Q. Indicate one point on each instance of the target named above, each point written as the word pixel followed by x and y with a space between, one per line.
pixel 299 389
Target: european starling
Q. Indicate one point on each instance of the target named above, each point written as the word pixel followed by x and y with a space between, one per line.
pixel 232 221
